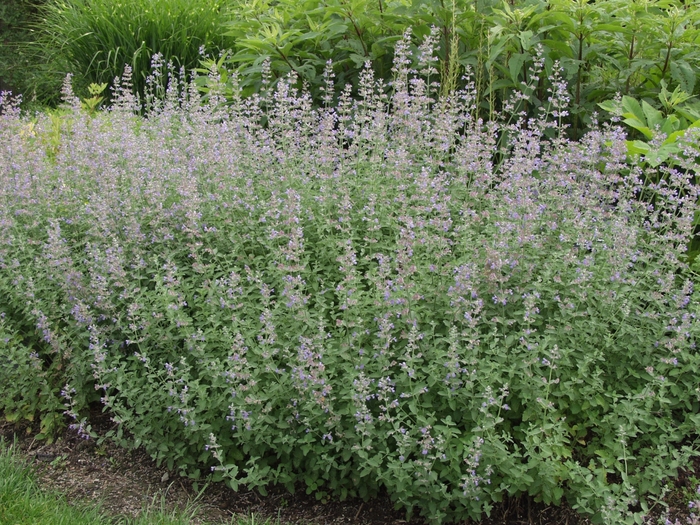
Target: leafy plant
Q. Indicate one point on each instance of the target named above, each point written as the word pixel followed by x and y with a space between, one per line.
pixel 93 103
pixel 662 129
pixel 603 47
pixel 26 386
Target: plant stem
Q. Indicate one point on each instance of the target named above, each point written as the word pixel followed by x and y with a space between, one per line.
pixel 630 57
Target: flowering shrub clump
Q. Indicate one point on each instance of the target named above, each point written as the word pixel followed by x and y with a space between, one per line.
pixel 383 293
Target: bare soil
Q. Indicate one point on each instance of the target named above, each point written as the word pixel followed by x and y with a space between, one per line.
pixel 125 481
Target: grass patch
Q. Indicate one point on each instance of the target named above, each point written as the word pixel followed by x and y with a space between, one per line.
pixel 23 502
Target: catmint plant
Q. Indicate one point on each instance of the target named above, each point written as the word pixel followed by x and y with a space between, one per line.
pixel 387 294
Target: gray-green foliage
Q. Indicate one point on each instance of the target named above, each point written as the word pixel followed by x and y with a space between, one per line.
pixel 356 297
pixel 30 387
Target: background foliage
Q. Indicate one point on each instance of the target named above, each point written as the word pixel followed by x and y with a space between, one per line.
pixel 604 47
pixel 95 39
pixel 23 68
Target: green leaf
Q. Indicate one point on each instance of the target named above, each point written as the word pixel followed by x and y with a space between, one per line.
pixel 563 48
pixel 515 65
pixel 688 112
pixel 257 43
pixel 637 147
pixel 669 125
pixel 564 19
pixel 630 105
pixel 639 125
pixel 495 52
pixel 557 494
pixel 612 28
pixel 526 40
pixel 654 117
pixel 684 74
pixel 500 83
pixel 304 37
pixel 611 106
pixel 358 60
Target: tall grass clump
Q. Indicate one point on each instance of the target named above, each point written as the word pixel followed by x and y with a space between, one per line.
pixel 379 294
pixel 25 67
pixel 94 39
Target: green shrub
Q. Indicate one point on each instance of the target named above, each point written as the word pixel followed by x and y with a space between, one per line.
pixel 604 47
pixel 27 386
